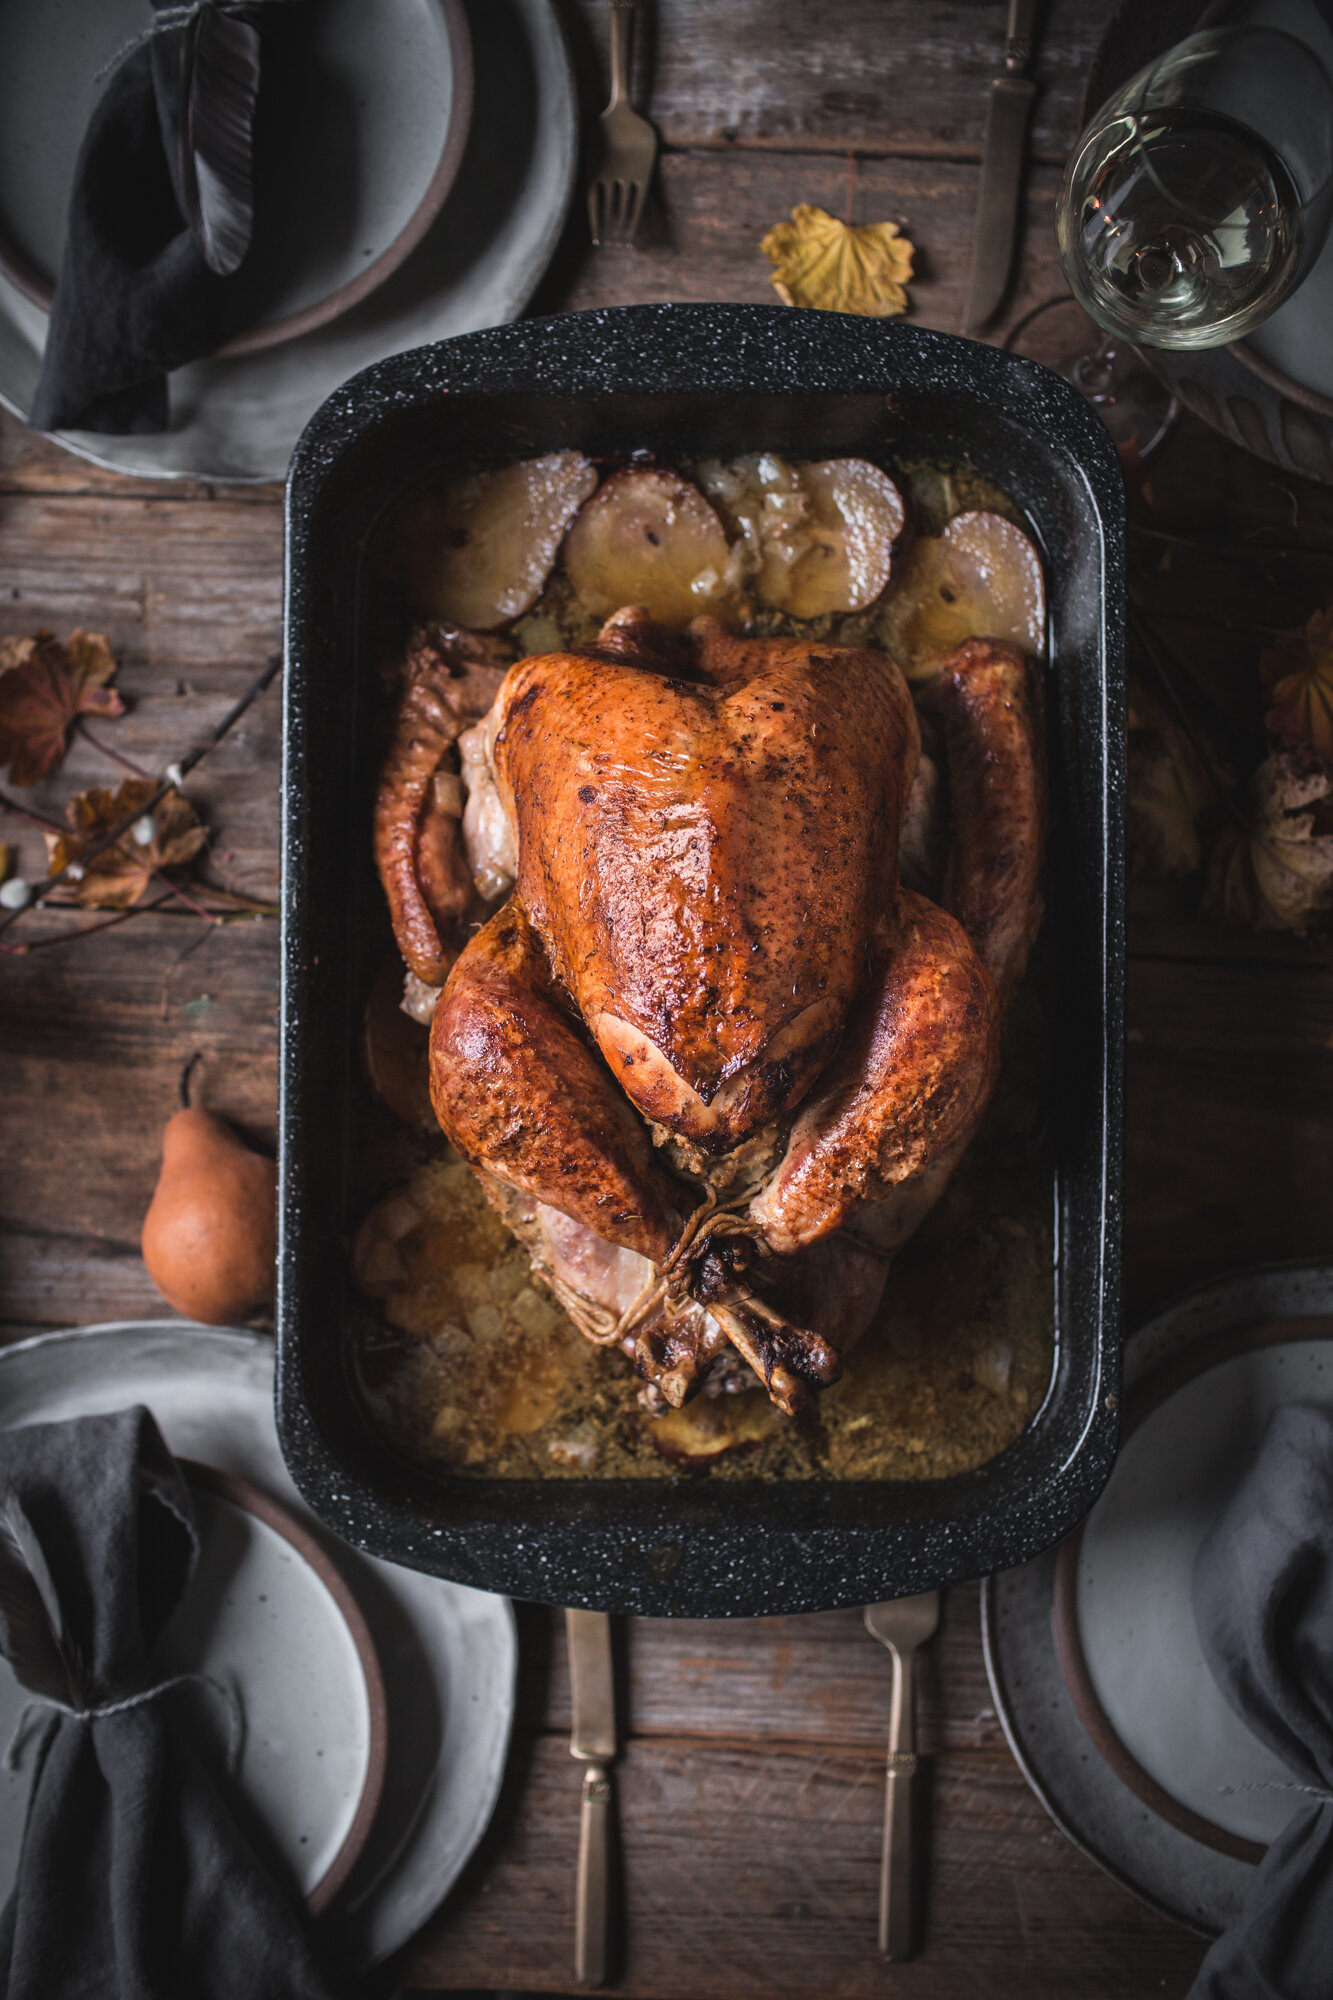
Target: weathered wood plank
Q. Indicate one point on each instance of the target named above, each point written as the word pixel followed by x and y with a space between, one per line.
pixel 754 1870
pixel 701 232
pixel 195 586
pixel 814 1679
pixel 869 76
pixel 94 1035
pixel 1230 1098
pixel 191 599
pixel 1164 921
pixel 1202 485
pixel 31 463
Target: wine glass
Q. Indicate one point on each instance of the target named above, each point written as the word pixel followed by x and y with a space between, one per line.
pixel 1199 197
pixel 1136 406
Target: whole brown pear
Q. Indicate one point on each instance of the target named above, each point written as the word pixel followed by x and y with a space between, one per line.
pixel 210 1234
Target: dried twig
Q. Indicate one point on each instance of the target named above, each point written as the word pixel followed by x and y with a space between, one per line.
pixel 106 749
pixel 173 777
pixel 83 930
pixel 43 820
pixel 181 895
pixel 1230 551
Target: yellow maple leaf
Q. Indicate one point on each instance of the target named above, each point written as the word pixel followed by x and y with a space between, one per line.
pixel 819 261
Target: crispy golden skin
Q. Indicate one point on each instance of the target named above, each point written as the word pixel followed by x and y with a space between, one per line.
pixel 418 850
pixel 987 707
pixel 907 1090
pixel 518 1090
pixel 708 929
pixel 704 858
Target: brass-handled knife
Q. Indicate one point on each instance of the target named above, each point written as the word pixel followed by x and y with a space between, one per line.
pixel 593 1742
pixel 1011 96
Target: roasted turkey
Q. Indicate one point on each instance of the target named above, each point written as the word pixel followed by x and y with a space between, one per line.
pixel 711 1058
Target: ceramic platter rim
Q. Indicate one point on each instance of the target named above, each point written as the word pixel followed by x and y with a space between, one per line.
pixel 1300 19
pixel 244 415
pixel 251 1500
pixel 466 1639
pixel 1181 1878
pixel 1252 1351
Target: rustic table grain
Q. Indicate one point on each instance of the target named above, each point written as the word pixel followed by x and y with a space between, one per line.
pixel 751 1786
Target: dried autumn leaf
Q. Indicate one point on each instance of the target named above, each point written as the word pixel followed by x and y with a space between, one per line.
pixel 44 686
pixel 819 261
pixel 1168 790
pixel 1278 875
pixel 1298 667
pixel 118 876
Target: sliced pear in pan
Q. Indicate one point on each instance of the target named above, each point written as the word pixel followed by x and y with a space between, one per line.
pixel 395 1052
pixel 650 538
pixel 478 552
pixel 980 579
pixel 711 1427
pixel 856 515
pixel 816 535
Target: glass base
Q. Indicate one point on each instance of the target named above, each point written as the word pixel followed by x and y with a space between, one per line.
pixel 1137 408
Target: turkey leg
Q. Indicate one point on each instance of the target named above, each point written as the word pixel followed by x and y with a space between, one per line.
pixel 894 1114
pixel 521 1094
pixel 991 724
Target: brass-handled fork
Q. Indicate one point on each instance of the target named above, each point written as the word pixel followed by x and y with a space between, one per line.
pixel 593 1742
pixel 627 146
pixel 902 1625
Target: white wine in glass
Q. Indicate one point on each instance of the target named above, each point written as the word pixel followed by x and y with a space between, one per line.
pixel 1199 196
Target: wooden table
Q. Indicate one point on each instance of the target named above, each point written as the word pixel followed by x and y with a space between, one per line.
pixel 752 1782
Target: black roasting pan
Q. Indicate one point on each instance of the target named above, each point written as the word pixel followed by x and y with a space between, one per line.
pixel 695 380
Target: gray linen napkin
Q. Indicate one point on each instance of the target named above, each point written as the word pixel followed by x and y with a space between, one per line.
pixel 134 298
pixel 1263 1604
pixel 134 1882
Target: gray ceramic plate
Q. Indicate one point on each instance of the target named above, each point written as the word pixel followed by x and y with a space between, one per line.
pixel 477 266
pixel 360 129
pixel 1297 340
pixel 259 1620
pixel 448 1654
pixel 1141 1652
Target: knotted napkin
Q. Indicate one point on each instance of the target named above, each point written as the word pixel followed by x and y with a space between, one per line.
pixel 133 1882
pixel 1263 1603
pixel 134 298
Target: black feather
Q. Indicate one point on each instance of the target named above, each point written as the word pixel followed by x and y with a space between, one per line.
pixel 33 1634
pixel 219 89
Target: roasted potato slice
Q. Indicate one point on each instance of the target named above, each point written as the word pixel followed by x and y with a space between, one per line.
pixel 651 538
pixel 478 552
pixel 980 579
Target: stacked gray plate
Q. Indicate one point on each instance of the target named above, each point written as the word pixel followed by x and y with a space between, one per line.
pixel 388 68
pixel 448 1655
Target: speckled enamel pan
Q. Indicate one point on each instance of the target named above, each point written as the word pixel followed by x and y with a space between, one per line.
pixel 694 381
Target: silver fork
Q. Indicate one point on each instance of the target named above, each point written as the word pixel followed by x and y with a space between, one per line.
pixel 902 1625
pixel 628 146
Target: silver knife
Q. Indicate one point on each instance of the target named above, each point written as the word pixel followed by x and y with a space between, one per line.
pixel 593 1742
pixel 1011 96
